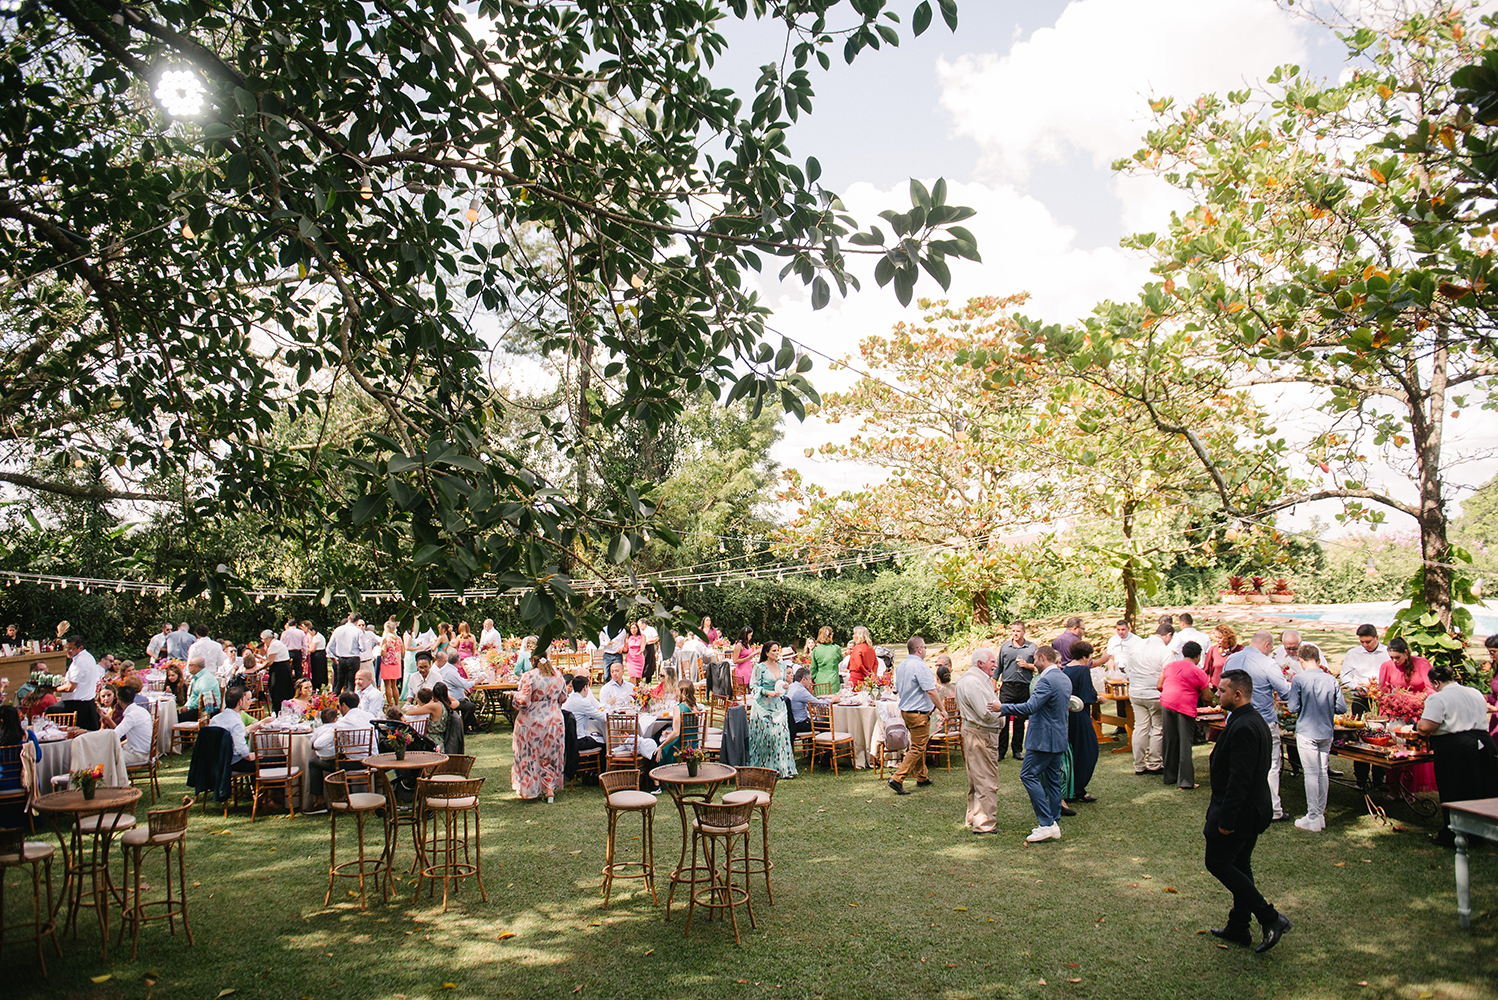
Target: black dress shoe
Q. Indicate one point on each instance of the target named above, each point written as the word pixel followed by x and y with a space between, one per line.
pixel 1235 937
pixel 924 782
pixel 1273 933
pixel 897 787
pixel 1065 811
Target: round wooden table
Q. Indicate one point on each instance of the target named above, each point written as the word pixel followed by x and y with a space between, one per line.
pixel 417 762
pixel 118 800
pixel 679 784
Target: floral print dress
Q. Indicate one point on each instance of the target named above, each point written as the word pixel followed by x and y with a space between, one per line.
pixel 769 732
pixel 540 739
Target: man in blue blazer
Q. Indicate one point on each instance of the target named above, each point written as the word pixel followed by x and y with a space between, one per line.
pixel 1240 810
pixel 1045 742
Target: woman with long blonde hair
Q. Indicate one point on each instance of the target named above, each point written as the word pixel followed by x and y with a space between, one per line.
pixel 391 670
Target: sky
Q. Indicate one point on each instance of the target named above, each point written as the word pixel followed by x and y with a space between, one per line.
pixel 1022 110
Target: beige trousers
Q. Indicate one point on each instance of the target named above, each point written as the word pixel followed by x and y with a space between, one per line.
pixel 980 752
pixel 915 758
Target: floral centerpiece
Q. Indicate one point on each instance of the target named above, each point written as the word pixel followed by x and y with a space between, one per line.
pixel 43 682
pixel 692 757
pixel 501 663
pixel 400 741
pixel 1402 704
pixel 88 779
pixel 319 701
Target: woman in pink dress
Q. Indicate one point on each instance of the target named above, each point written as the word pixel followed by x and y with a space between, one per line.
pixel 465 644
pixel 634 651
pixel 744 656
pixel 391 652
pixel 539 739
pixel 1402 670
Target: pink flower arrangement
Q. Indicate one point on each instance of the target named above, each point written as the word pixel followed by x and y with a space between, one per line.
pixel 317 703
pixel 1402 704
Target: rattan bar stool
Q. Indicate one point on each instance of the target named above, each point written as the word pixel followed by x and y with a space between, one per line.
pixel 15 851
pixel 165 828
pixel 756 785
pixel 342 802
pixel 447 800
pixel 622 795
pixel 719 821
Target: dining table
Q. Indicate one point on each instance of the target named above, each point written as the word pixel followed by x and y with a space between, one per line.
pixel 498 699
pixel 87 853
pixel 415 763
pixel 865 725
pixel 1469 818
pixel 680 783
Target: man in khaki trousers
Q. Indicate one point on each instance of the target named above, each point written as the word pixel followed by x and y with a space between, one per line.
pixel 916 686
pixel 980 741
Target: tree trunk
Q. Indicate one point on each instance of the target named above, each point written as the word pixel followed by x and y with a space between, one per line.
pixel 981 613
pixel 1426 424
pixel 1126 576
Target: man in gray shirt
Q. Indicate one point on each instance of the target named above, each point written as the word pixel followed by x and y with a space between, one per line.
pixel 1016 670
pixel 1315 698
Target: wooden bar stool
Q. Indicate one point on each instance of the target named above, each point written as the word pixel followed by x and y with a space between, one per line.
pixel 15 851
pixel 757 786
pixel 622 794
pixel 719 821
pixel 342 802
pixel 165 828
pixel 447 799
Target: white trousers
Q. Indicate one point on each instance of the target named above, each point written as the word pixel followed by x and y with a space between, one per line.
pixel 1149 734
pixel 1274 771
pixel 1314 755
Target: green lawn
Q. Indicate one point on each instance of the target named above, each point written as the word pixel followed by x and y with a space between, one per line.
pixel 876 896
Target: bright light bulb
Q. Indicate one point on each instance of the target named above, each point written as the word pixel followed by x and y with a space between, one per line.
pixel 365 191
pixel 11 6
pixel 473 209
pixel 180 92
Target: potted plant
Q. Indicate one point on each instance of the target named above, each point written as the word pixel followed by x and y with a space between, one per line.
pixel 400 740
pixel 1257 595
pixel 1234 594
pixel 692 757
pixel 1281 593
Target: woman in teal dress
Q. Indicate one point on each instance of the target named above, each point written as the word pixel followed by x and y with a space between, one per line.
pixel 769 731
pixel 825 659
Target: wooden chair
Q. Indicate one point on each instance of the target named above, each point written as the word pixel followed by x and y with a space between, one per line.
pixel 419 724
pixel 621 741
pixel 258 711
pixel 64 720
pixel 167 829
pixel 457 763
pixel 827 740
pixel 712 733
pixel 717 822
pixel 342 802
pixel 16 851
pixel 622 795
pixel 151 768
pixel 444 801
pixel 588 762
pixel 942 740
pixel 757 785
pixel 350 747
pixel 10 777
pixel 273 769
pixel 597 672
pixel 823 689
pixel 740 693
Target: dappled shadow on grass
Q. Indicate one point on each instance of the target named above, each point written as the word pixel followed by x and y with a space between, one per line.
pixel 877 895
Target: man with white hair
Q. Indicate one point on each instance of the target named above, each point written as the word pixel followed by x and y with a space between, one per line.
pixel 1269 681
pixel 1287 656
pixel 981 727
pixel 371 699
pixel 489 638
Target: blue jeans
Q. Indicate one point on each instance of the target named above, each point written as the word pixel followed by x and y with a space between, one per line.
pixel 1040 773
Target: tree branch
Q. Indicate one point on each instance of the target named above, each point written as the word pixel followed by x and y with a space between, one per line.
pixel 79 492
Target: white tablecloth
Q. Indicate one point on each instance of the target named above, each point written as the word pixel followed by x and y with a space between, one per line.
pixel 56 758
pixel 864 723
pixel 301 750
pixel 166 718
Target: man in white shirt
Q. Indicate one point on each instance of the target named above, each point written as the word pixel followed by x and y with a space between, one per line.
pixel 1287 654
pixel 489 638
pixel 324 761
pixel 618 695
pixel 317 656
pixel 134 728
pixel 244 760
pixel 1122 646
pixel 1145 665
pixel 458 687
pixel 652 649
pixel 157 645
pixel 1188 633
pixel 179 642
pixel 368 693
pixel 81 684
pixel 424 676
pixel 587 713
pixel 369 649
pixel 1360 666
pixel 612 646
pixel 295 641
pixel 278 662
pixel 343 647
pixel 211 650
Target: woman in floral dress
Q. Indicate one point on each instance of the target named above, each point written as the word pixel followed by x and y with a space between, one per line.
pixel 391 672
pixel 769 732
pixel 539 735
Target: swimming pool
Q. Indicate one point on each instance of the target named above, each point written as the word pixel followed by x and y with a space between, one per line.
pixel 1381 615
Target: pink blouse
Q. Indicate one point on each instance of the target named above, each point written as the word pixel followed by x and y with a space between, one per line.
pixel 1391 677
pixel 1182 687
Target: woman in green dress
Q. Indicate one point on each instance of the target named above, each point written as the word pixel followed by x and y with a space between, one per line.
pixel 824 663
pixel 769 729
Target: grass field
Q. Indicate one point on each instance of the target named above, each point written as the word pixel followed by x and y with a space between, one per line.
pixel 876 896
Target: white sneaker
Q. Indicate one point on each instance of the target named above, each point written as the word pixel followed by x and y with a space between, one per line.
pixel 1052 832
pixel 1310 825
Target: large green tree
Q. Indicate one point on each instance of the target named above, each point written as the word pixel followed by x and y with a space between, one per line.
pixel 363 186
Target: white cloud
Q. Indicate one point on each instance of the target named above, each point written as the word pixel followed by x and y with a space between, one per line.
pixel 1082 84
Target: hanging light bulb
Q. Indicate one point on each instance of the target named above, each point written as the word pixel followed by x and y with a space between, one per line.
pixel 473 209
pixel 365 191
pixel 180 92
pixel 720 546
pixel 187 233
pixel 118 19
pixel 1372 568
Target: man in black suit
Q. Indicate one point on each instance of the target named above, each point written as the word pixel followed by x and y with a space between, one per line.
pixel 1240 810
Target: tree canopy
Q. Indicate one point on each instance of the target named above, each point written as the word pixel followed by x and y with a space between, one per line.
pixel 370 195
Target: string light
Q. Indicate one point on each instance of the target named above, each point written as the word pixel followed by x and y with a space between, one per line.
pixel 365 191
pixel 473 209
pixel 180 92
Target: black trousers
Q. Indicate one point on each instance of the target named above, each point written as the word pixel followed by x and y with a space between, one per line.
pixel 297 659
pixel 281 684
pixel 1230 860
pixel 318 662
pixel 1012 692
pixel 804 726
pixel 87 713
pixel 347 666
pixel 649 673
